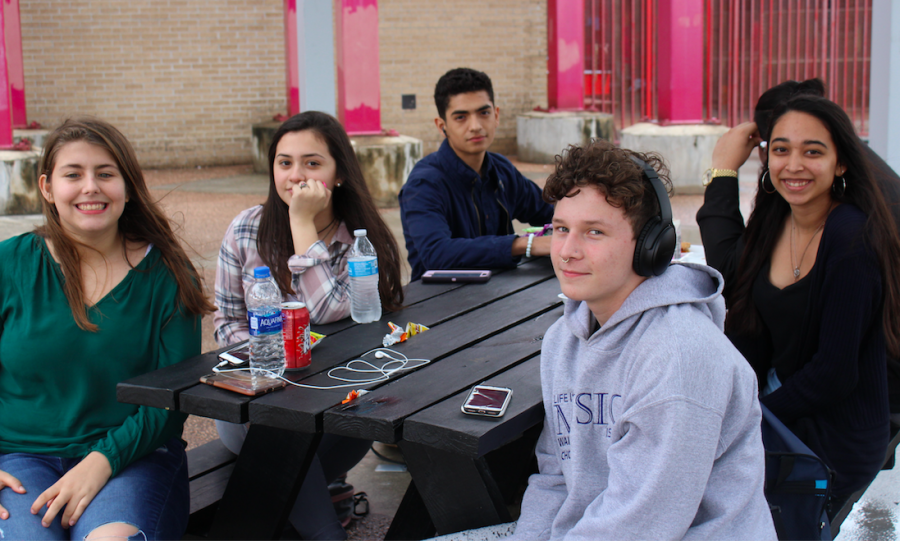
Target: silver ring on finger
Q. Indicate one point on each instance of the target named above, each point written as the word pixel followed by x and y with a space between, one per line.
pixel 303 185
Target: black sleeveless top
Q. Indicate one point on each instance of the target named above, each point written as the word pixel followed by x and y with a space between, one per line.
pixel 782 311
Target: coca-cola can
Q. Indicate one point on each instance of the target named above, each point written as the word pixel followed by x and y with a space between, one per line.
pixel 295 329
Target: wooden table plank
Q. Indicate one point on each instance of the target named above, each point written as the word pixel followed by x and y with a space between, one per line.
pixel 160 388
pixel 445 427
pixel 301 409
pixel 380 414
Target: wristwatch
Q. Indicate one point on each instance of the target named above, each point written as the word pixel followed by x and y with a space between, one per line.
pixel 713 173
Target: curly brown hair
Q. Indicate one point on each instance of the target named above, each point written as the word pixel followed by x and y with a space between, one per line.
pixel 608 168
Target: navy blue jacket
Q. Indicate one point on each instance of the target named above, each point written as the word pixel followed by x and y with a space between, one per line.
pixel 454 219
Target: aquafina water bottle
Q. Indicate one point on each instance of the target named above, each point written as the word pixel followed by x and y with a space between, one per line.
pixel 264 314
pixel 365 303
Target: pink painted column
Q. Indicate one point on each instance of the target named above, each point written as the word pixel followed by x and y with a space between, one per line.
pixel 565 54
pixel 12 27
pixel 292 67
pixel 6 125
pixel 680 61
pixel 359 83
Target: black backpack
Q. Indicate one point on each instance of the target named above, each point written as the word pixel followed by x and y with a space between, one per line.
pixel 798 483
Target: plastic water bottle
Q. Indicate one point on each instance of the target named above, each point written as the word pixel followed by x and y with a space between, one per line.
pixel 264 314
pixel 365 303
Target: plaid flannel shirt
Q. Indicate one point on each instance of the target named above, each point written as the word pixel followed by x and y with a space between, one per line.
pixel 320 277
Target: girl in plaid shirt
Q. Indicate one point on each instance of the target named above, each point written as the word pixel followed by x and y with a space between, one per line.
pixel 303 232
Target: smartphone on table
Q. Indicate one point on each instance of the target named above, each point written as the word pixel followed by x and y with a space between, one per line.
pixel 238 356
pixel 438 276
pixel 487 400
pixel 243 382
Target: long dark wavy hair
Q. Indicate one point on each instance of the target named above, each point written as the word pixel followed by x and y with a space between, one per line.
pixel 771 210
pixel 351 203
pixel 142 220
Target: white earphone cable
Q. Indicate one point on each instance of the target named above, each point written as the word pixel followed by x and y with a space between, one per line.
pixel 385 371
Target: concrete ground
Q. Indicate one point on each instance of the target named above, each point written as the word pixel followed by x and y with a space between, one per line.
pixel 204 201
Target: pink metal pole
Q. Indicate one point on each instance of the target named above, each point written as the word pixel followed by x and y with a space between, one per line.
pixel 708 59
pixel 604 61
pixel 623 61
pixel 844 101
pixel 866 69
pixel 740 66
pixel 634 58
pixel 6 125
pixel 649 54
pixel 594 53
pixel 754 63
pixel 292 68
pixel 15 64
pixel 808 54
pixel 359 83
pixel 565 51
pixel 855 108
pixel 680 66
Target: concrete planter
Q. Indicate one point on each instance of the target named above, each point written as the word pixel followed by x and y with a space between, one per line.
pixel 687 150
pixel 35 137
pixel 386 163
pixel 19 192
pixel 541 136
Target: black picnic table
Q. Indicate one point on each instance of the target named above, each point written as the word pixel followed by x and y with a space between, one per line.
pixel 478 333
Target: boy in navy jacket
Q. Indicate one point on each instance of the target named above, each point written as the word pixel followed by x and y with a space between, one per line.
pixel 458 204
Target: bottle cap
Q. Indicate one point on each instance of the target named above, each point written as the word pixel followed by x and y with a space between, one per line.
pixel 262 272
pixel 359 233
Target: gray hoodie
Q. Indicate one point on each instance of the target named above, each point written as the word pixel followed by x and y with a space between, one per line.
pixel 652 423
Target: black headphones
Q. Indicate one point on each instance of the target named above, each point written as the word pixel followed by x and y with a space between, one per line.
pixel 656 242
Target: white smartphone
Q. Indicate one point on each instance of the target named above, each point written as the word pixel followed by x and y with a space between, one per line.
pixel 237 357
pixel 487 400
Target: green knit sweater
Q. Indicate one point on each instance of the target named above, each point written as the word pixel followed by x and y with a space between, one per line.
pixel 58 382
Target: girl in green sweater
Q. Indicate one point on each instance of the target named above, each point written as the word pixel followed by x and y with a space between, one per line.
pixel 101 293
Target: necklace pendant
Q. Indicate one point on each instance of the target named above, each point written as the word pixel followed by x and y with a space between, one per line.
pixel 796 273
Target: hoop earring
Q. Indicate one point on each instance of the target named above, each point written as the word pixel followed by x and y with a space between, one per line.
pixel 762 182
pixel 838 192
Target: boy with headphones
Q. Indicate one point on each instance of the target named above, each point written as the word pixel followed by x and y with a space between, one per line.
pixel 652 423
pixel 458 203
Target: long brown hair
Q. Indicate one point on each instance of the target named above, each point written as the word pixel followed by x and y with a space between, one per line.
pixel 771 210
pixel 351 203
pixel 142 220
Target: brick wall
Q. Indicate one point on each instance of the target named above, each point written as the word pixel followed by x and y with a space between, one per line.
pixel 185 79
pixel 182 79
pixel 420 40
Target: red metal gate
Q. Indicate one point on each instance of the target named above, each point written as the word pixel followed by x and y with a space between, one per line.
pixel 620 53
pixel 751 45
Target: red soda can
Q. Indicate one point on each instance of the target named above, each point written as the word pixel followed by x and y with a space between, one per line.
pixel 295 329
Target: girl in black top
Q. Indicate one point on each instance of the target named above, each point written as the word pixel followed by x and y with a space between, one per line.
pixel 813 303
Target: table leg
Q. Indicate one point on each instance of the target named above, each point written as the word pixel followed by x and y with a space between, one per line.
pixel 459 492
pixel 265 482
pixel 412 520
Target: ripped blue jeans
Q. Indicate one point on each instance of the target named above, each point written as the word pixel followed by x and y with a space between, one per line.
pixel 151 494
